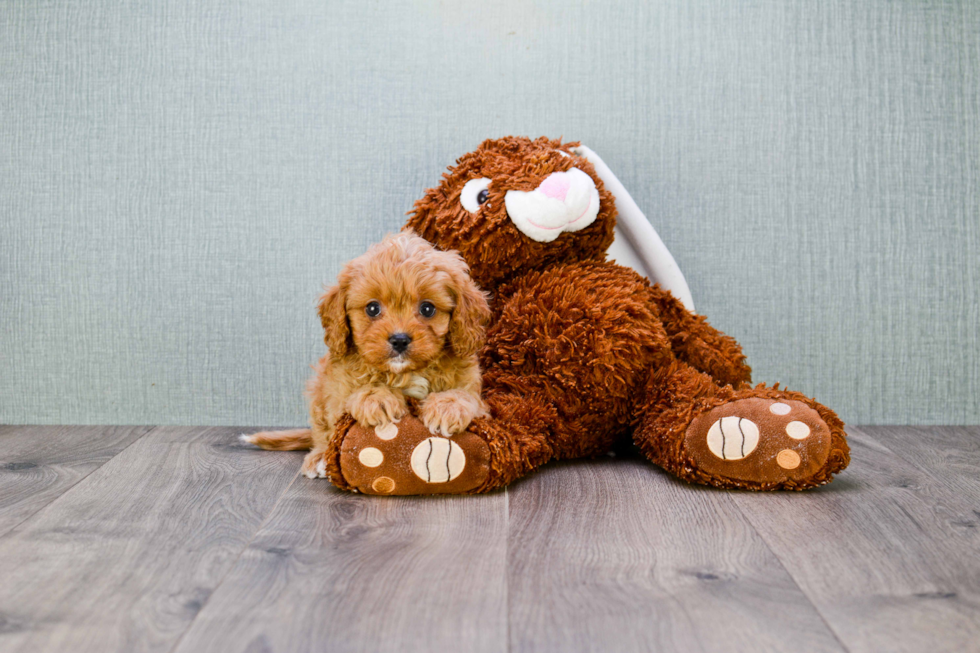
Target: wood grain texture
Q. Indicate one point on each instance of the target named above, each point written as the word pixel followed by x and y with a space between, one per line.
pixel 888 554
pixel 339 572
pixel 39 463
pixel 613 555
pixel 186 541
pixel 125 560
pixel 949 454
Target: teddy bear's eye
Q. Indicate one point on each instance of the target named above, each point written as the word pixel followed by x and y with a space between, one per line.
pixel 474 194
pixel 373 309
pixel 427 309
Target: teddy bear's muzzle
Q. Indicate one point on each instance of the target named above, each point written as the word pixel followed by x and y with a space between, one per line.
pixel 563 201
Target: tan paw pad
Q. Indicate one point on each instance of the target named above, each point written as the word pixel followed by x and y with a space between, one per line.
pixel 779 408
pixel 371 457
pixel 438 460
pixel 733 438
pixel 788 459
pixel 797 430
pixel 386 431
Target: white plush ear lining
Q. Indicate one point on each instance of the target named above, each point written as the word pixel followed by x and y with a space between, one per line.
pixel 636 243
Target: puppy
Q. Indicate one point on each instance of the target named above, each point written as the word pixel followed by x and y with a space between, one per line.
pixel 404 320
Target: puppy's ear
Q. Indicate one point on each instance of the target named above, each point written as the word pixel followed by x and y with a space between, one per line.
pixel 467 328
pixel 333 316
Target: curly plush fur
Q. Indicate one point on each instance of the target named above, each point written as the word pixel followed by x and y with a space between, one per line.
pixel 581 351
pixel 365 376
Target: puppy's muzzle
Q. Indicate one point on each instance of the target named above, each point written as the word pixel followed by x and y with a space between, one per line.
pixel 399 342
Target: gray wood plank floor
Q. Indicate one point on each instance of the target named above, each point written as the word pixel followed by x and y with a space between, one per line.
pixel 40 463
pixel 180 539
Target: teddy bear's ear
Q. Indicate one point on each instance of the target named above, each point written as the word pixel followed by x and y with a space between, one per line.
pixel 636 243
pixel 332 309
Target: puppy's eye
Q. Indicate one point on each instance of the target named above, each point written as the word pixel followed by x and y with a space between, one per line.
pixel 373 309
pixel 474 194
pixel 427 309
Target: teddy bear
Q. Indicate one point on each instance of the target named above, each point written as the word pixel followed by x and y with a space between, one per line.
pixel 582 352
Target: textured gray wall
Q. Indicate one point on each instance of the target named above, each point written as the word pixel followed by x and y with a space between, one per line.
pixel 177 179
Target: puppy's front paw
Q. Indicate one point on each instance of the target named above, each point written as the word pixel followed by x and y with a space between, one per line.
pixel 315 464
pixel 448 413
pixel 377 406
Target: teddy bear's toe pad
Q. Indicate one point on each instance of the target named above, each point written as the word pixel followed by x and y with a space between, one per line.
pixel 405 458
pixel 760 441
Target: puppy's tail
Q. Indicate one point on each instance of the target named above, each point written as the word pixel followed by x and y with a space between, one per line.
pixel 281 440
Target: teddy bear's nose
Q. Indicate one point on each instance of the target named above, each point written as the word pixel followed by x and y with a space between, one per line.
pixel 556 186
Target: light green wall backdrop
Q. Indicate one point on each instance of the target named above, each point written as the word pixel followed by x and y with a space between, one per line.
pixel 178 178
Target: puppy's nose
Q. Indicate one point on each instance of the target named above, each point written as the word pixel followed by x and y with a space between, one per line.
pixel 400 341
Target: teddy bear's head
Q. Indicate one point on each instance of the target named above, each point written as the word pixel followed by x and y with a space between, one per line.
pixel 516 204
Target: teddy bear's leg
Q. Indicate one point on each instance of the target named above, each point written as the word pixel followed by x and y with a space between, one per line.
pixel 699 344
pixel 405 458
pixel 751 438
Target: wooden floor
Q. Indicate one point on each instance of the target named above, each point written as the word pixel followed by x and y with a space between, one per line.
pixel 182 539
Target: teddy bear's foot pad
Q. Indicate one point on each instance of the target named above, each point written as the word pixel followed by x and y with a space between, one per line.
pixel 405 458
pixel 760 442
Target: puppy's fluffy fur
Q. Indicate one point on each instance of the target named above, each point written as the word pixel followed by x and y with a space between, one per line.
pixel 365 375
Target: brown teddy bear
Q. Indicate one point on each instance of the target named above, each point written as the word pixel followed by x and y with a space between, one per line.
pixel 582 352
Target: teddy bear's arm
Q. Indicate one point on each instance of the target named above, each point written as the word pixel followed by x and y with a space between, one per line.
pixel 699 344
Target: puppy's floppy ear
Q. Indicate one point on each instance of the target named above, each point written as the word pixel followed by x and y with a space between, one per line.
pixel 332 308
pixel 472 312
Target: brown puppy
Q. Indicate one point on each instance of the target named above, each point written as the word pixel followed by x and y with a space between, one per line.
pixel 404 320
